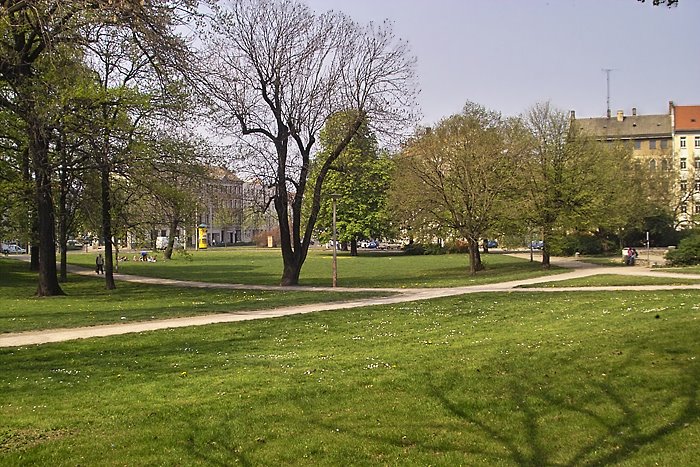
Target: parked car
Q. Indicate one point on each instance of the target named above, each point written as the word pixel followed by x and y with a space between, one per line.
pixel 537 244
pixel 492 244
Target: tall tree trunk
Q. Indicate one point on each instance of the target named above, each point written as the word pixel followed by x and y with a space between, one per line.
pixel 545 250
pixel 34 240
pixel 291 265
pixel 171 239
pixel 39 149
pixel 30 193
pixel 63 223
pixel 475 264
pixel 107 224
pixel 353 247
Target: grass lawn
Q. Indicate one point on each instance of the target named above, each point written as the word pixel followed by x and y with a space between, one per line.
pixel 683 269
pixel 245 265
pixel 487 379
pixel 613 280
pixel 88 303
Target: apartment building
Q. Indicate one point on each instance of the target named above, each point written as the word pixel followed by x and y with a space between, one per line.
pixel 667 142
pixel 651 136
pixel 686 142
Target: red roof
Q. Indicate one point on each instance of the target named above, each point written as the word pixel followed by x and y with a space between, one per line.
pixel 687 117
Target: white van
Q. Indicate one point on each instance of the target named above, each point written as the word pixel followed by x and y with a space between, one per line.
pixel 162 243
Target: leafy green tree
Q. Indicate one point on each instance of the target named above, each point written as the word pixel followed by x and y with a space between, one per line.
pixel 687 253
pixel 459 176
pixel 572 181
pixel 360 178
pixel 175 183
pixel 33 33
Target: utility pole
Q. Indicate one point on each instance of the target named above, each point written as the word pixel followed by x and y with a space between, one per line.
pixel 334 197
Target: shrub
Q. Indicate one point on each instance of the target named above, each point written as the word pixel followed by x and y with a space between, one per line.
pixel 687 253
pixel 458 246
pixel 424 249
pixel 585 244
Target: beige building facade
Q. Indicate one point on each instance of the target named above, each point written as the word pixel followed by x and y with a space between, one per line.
pixel 686 142
pixel 667 142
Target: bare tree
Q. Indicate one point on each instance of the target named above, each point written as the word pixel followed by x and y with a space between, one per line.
pixel 276 73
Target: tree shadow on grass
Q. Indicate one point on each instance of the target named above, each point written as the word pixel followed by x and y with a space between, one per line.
pixel 620 430
pixel 530 423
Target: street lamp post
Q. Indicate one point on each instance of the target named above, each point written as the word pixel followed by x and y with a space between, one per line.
pixel 334 197
pixel 648 251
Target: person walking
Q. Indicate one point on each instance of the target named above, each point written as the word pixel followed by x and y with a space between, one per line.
pixel 100 264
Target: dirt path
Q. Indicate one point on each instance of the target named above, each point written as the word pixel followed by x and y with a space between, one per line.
pixel 579 269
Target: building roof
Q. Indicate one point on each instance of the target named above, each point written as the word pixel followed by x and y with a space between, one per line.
pixel 687 117
pixel 626 126
pixel 223 175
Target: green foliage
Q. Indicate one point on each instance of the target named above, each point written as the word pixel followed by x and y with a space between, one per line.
pixel 687 253
pixel 584 243
pixel 457 179
pixel 360 178
pixel 424 249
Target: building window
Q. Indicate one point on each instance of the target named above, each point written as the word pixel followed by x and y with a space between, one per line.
pixel 684 186
pixel 664 144
pixel 637 144
pixel 697 185
pixel 684 164
pixel 652 144
pixel 697 162
pixel 697 142
pixel 652 165
pixel 697 209
pixel 683 146
pixel 684 207
pixel 664 164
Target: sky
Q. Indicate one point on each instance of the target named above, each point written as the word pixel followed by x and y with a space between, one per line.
pixel 509 55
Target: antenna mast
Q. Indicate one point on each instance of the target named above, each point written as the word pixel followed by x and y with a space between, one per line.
pixel 607 82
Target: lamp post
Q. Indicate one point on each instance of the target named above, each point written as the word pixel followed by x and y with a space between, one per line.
pixel 334 197
pixel 648 252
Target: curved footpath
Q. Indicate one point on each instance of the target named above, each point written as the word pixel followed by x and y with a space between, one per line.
pixel 579 270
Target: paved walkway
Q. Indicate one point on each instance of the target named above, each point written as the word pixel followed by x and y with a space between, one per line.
pixel 579 269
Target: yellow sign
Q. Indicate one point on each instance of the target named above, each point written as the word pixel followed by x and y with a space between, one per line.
pixel 202 237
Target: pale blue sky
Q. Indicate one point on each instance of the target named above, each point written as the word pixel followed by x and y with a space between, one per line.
pixel 510 54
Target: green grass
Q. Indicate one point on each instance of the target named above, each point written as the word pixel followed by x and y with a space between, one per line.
pixel 88 303
pixel 682 269
pixel 243 265
pixel 488 379
pixel 614 280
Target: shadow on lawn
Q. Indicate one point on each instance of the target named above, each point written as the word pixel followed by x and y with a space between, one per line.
pixel 617 435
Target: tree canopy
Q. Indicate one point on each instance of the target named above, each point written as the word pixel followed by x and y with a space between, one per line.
pixel 458 178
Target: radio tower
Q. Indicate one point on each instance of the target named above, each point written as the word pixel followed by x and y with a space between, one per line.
pixel 607 82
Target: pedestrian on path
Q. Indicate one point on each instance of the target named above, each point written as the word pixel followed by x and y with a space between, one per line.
pixel 100 264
